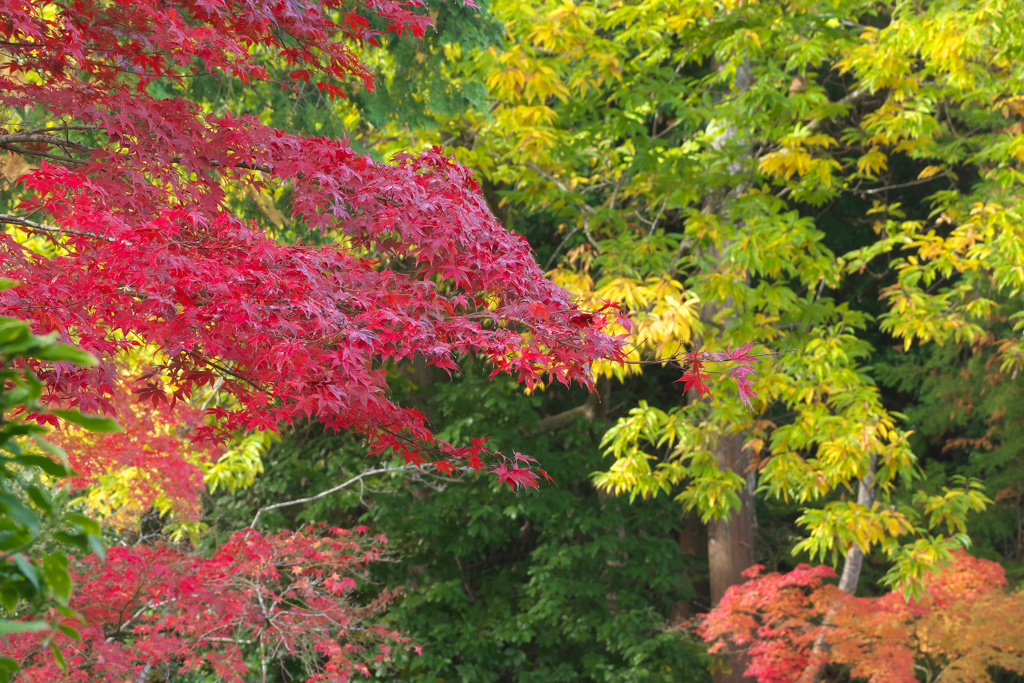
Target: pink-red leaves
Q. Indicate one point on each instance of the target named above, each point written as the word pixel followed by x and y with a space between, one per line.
pixel 515 476
pixel 694 377
pixel 738 367
pixel 517 471
pixel 694 380
pixel 147 606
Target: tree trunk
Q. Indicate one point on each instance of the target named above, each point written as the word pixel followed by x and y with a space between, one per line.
pixel 731 541
pixel 855 556
pixel 850 578
pixel 731 548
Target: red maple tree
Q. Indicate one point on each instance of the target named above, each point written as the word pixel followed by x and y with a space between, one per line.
pixel 158 607
pixel 124 237
pixel 130 199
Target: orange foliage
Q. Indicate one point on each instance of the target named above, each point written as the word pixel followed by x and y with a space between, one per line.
pixel 967 624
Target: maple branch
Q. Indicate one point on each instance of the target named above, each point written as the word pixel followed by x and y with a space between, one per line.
pixel 216 366
pixel 11 219
pixel 34 153
pixel 595 408
pixel 33 137
pixel 323 494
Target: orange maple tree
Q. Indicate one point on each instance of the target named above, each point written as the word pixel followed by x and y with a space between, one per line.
pixel 965 626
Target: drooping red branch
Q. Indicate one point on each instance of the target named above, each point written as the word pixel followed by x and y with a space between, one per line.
pixel 132 200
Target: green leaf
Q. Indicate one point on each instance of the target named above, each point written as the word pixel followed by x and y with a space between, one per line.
pixel 47 465
pixel 90 422
pixel 40 498
pixel 55 568
pixel 69 632
pixel 7 667
pixel 58 656
pixel 63 352
pixel 22 626
pixel 68 612
pixel 52 450
pixel 7 283
pixel 27 569
pixel 18 512
pixel 95 543
pixel 90 526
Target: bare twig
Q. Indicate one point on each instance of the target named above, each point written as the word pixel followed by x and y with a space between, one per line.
pixel 559 248
pixel 323 494
pixel 919 181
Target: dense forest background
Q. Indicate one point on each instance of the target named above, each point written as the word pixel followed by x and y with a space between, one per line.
pixel 570 583
pixel 832 187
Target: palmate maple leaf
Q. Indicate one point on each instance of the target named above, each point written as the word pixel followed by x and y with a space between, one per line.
pixel 446 466
pixel 694 377
pixel 694 380
pixel 742 375
pixel 516 477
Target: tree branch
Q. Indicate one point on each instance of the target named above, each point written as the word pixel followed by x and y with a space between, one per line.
pixel 323 494
pixel 11 219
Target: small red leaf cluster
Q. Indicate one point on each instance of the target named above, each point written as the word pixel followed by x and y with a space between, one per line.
pixel 787 624
pixel 288 595
pixel 517 471
pixel 741 370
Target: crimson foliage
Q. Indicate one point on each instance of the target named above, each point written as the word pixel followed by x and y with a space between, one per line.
pixel 132 241
pixel 155 607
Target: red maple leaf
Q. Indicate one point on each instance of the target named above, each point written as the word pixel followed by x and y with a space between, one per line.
pixel 515 476
pixel 446 466
pixel 475 462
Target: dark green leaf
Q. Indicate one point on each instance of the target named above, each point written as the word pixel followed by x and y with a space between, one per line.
pixel 90 422
pixel 47 465
pixel 22 626
pixel 63 352
pixel 58 656
pixel 28 569
pixel 69 632
pixel 55 568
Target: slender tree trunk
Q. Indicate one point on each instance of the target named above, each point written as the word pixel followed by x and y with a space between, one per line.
pixel 855 556
pixel 731 542
pixel 847 581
